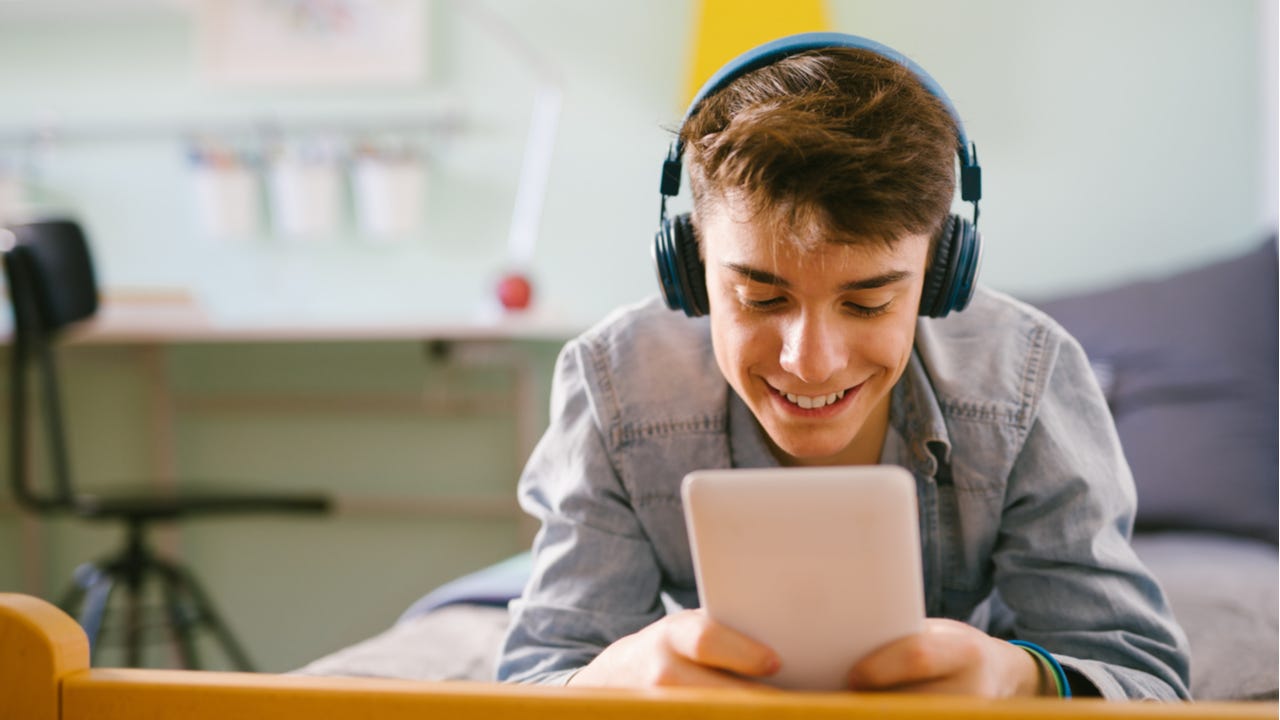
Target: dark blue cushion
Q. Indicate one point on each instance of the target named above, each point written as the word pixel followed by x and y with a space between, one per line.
pixel 1189 366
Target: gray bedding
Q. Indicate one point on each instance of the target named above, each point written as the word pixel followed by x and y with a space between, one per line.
pixel 455 642
pixel 1222 589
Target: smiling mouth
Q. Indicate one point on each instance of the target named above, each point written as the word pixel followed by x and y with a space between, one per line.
pixel 808 402
pixel 812 402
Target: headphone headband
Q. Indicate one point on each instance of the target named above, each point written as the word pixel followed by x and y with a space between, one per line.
pixel 970 171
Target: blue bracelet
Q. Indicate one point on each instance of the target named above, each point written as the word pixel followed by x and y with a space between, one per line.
pixel 1049 661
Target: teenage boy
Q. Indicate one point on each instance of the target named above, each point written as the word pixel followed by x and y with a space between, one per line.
pixel 822 184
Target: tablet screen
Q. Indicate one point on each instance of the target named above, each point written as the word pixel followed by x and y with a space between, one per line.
pixel 820 564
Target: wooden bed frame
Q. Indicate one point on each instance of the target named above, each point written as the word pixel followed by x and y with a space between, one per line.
pixel 45 675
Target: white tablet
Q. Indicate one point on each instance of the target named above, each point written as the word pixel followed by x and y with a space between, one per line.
pixel 820 564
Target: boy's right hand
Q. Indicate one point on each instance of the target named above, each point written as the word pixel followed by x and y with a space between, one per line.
pixel 686 648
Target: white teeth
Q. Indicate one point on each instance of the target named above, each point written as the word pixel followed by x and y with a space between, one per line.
pixel 812 403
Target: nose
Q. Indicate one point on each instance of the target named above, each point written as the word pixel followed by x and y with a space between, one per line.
pixel 812 348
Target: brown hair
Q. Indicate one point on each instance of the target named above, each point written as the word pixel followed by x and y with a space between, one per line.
pixel 842 144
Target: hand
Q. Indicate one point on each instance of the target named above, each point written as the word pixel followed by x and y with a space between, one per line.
pixel 950 657
pixel 685 648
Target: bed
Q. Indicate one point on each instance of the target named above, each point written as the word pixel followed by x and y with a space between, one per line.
pixel 1189 365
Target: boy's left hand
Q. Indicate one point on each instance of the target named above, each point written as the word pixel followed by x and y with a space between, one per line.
pixel 950 657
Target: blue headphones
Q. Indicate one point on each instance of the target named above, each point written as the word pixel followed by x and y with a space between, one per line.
pixel 951 277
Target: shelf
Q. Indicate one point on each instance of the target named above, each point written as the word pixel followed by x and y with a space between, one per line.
pixel 447 118
pixel 89 9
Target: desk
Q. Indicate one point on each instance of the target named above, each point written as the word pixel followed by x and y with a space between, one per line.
pixel 160 317
pixel 163 355
pixel 148 322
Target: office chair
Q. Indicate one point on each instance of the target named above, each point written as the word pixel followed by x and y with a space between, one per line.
pixel 51 282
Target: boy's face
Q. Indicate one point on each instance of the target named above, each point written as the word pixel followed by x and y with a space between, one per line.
pixel 814 340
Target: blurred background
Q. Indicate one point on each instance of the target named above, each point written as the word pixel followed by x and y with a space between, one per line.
pixel 319 200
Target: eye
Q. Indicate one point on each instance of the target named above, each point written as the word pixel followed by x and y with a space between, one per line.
pixel 866 311
pixel 768 304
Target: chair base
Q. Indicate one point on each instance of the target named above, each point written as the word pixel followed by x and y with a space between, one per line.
pixel 186 606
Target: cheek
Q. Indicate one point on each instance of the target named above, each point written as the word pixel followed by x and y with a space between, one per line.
pixel 891 345
pixel 740 343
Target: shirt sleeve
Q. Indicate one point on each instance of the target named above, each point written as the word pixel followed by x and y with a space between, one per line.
pixel 595 578
pixel 1063 561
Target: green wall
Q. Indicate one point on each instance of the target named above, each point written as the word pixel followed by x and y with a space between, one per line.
pixel 1118 139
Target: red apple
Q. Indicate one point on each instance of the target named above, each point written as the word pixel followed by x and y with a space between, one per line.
pixel 515 291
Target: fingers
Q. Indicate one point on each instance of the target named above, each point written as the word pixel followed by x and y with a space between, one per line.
pixel 679 671
pixel 939 659
pixel 686 648
pixel 702 640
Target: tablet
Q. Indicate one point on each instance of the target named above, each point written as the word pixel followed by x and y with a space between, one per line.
pixel 820 564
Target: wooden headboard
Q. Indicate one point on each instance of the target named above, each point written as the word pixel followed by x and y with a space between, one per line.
pixel 45 675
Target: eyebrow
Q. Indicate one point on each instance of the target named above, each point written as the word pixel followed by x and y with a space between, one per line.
pixel 767 278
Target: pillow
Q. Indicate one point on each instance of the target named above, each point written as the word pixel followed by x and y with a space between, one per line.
pixel 1189 365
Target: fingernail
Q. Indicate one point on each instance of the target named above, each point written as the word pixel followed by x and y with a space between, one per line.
pixel 773 666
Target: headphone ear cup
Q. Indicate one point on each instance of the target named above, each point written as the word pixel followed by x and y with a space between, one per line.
pixel 968 261
pixel 681 274
pixel 664 263
pixel 693 274
pixel 952 276
pixel 935 278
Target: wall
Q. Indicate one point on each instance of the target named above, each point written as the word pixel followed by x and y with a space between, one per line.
pixel 1117 139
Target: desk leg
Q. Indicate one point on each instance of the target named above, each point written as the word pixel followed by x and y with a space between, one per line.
pixel 34 557
pixel 519 361
pixel 34 539
pixel 162 419
pixel 527 422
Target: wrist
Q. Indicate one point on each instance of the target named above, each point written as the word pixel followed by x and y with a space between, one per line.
pixel 1051 679
pixel 1030 677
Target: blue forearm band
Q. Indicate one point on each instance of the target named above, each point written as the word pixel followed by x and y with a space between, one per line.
pixel 1047 659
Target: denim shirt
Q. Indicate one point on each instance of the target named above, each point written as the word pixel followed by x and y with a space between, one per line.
pixel 1026 502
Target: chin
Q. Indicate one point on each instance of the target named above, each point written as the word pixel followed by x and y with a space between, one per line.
pixel 809 452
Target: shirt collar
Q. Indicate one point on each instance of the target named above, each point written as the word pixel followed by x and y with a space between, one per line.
pixel 747 446
pixel 915 413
